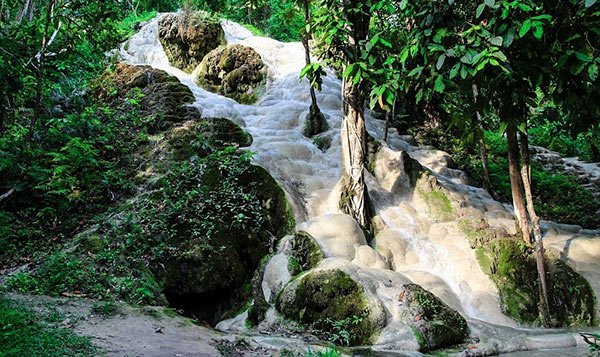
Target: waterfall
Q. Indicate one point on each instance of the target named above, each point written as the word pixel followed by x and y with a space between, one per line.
pixel 309 175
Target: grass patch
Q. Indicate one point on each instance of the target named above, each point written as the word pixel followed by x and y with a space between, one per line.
pixel 24 332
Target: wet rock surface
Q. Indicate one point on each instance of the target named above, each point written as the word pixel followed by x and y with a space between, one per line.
pixel 188 37
pixel 234 71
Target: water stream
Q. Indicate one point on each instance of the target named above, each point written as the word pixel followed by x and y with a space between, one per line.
pixel 430 256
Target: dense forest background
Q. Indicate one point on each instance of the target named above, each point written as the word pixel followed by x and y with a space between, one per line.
pixel 61 154
pixel 73 140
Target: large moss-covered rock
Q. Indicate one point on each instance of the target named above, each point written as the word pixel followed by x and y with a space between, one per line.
pixel 332 304
pixel 512 266
pixel 234 71
pixel 152 93
pixel 188 37
pixel 201 136
pixel 435 324
pixel 210 269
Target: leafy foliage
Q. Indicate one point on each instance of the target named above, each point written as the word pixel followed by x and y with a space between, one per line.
pixel 25 332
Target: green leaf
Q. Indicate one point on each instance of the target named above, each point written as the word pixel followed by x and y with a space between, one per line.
pixel 419 95
pixel 538 32
pixel 439 85
pixel 525 28
pixel 463 72
pixel 440 62
pixel 593 71
pixel 348 71
pixel 509 38
pixel 589 3
pixel 480 9
pixel 502 127
pixel 583 57
pixel 496 41
pixel 454 70
pixel 490 3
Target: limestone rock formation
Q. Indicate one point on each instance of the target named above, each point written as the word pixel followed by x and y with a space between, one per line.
pixel 234 71
pixel 151 92
pixel 187 38
pixel 333 304
pixel 435 324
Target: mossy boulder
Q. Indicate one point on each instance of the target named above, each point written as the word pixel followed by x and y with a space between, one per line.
pixel 435 197
pixel 479 232
pixel 315 122
pixel 332 304
pixel 201 136
pixel 434 323
pixel 512 266
pixel 152 93
pixel 218 263
pixel 235 71
pixel 305 253
pixel 188 37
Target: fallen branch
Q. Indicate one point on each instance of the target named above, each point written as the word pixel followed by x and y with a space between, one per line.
pixel 8 194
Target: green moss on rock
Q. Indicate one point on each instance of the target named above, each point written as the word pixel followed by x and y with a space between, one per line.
pixel 332 304
pixel 188 37
pixel 479 232
pixel 438 204
pixel 235 71
pixel 199 138
pixel 512 266
pixel 305 253
pixel 152 93
pixel 435 325
pixel 315 123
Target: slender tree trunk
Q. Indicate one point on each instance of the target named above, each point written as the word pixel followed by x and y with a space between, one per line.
pixel 315 120
pixel 2 114
pixel 354 199
pixel 22 13
pixel 487 185
pixel 388 117
pixel 516 182
pixel 39 73
pixel 537 233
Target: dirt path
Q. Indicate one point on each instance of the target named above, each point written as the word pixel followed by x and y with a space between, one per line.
pixel 156 331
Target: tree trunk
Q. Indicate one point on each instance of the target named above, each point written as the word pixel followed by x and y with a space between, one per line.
pixel 388 117
pixel 39 72
pixel 354 195
pixel 315 120
pixel 487 185
pixel 516 182
pixel 537 233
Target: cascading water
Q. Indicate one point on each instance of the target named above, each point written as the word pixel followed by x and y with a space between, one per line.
pixel 307 173
pixel 430 256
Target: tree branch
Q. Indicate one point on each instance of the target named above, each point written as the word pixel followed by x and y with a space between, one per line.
pixel 8 194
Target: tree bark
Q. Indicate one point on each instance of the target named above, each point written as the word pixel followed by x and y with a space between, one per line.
pixel 315 120
pixel 516 182
pixel 487 185
pixel 388 117
pixel 39 72
pixel 354 199
pixel 537 233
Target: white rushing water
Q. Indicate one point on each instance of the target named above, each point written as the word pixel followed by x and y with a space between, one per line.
pixel 307 174
pixel 434 255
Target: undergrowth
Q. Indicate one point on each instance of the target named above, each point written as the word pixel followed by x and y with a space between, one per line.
pixel 24 332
